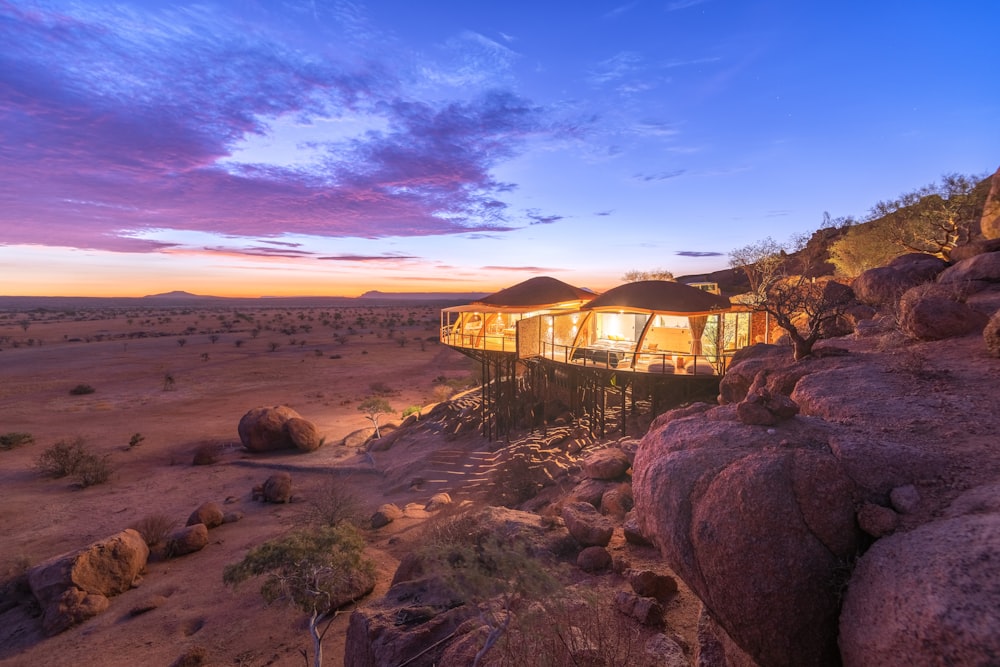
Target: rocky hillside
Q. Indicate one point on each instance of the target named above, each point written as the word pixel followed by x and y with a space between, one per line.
pixel 844 509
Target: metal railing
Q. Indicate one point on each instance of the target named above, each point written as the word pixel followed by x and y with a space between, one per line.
pixel 456 337
pixel 658 363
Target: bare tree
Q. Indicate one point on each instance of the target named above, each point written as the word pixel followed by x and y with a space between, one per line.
pixel 802 306
pixel 635 276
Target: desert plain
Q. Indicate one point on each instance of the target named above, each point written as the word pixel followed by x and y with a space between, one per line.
pixel 170 381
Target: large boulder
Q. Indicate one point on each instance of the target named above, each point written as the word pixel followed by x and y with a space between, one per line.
pixel 974 248
pixel 745 366
pixel 935 314
pixel 973 273
pixel 303 434
pixel 75 586
pixel 757 522
pixel 989 224
pixel 928 596
pixel 884 284
pixel 263 429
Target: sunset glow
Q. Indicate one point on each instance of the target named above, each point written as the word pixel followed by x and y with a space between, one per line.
pixel 314 148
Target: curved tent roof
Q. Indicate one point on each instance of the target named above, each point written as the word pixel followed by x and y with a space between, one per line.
pixel 535 293
pixel 659 296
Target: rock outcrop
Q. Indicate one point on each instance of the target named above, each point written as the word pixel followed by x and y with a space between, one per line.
pixel 76 586
pixel 885 284
pixel 280 427
pixel 935 314
pixel 929 596
pixel 756 522
pixel 973 274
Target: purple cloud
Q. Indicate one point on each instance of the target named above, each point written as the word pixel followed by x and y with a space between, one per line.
pixel 112 127
pixel 697 253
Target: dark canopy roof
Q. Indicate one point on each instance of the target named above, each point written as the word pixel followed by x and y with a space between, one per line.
pixel 659 296
pixel 535 292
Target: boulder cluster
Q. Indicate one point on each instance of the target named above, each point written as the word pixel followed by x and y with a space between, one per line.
pixel 808 532
pixel 267 429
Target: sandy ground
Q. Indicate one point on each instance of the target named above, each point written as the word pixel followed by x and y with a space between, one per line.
pixel 214 384
pixel 211 385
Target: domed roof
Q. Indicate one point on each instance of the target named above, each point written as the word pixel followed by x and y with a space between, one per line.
pixel 536 292
pixel 659 296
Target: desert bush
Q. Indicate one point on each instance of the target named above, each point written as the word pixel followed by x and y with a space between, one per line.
pixel 15 439
pixel 380 389
pixel 334 504
pixel 413 409
pixel 136 439
pixel 443 392
pixel 154 528
pixel 81 390
pixel 62 458
pixel 92 469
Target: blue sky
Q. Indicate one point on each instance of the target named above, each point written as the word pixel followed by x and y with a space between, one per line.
pixel 312 147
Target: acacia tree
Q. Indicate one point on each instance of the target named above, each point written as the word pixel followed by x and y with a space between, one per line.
pixel 318 570
pixel 374 407
pixel 936 218
pixel 800 305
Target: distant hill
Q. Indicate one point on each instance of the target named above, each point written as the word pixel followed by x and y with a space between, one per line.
pixel 177 294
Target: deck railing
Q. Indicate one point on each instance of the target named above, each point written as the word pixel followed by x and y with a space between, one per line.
pixel 657 363
pixel 457 337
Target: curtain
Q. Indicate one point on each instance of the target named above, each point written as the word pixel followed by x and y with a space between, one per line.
pixel 697 329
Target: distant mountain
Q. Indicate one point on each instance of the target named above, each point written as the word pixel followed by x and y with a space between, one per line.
pixel 177 294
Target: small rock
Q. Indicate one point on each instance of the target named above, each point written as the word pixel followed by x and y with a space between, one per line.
pixel 232 517
pixel 587 525
pixel 208 513
pixel 666 651
pixel 645 610
pixel 437 501
pixel 876 520
pixel 633 534
pixel 649 584
pixel 148 605
pixel 385 515
pixel 610 463
pixel 187 540
pixel 905 499
pixel 594 559
pixel 278 488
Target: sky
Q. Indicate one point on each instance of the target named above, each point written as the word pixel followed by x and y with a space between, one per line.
pixel 314 147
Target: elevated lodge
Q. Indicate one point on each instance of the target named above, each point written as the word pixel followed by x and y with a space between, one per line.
pixel 658 341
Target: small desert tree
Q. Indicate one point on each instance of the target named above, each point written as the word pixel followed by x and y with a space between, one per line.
pixel 801 306
pixel 373 408
pixel 318 570
pixel 935 218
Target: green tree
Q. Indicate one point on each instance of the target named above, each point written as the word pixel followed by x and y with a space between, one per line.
pixel 373 408
pixel 319 570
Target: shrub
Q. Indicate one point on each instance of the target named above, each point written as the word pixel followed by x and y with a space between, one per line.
pixel 335 504
pixel 92 470
pixel 154 528
pixel 81 390
pixel 516 480
pixel 15 439
pixel 62 458
pixel 413 409
pixel 136 439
